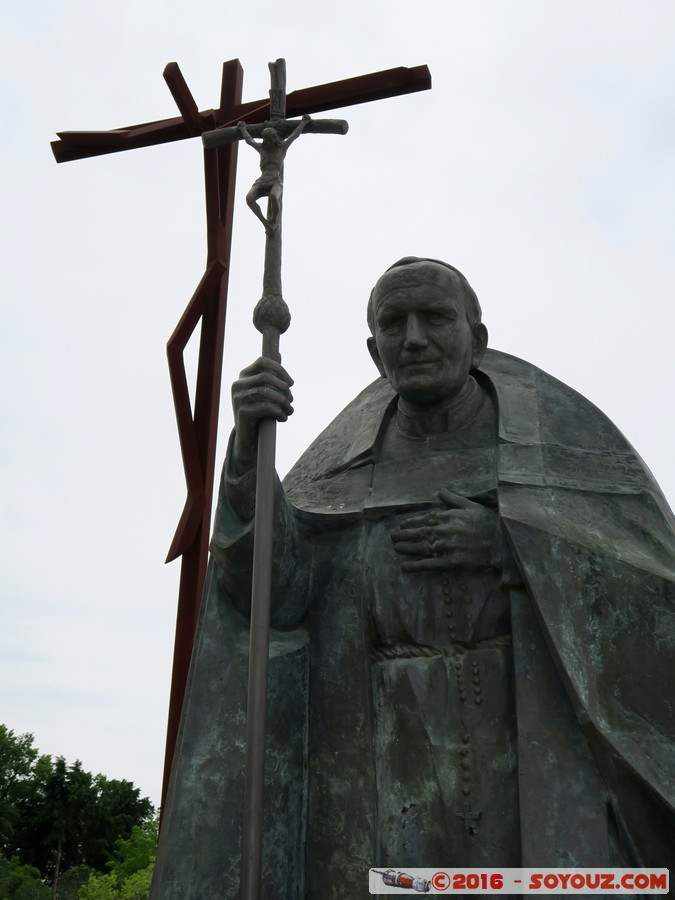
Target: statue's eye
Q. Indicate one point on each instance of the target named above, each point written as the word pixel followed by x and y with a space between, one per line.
pixel 438 319
pixel 391 325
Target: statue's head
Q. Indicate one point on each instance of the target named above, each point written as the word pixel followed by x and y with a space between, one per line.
pixel 426 327
pixel 269 135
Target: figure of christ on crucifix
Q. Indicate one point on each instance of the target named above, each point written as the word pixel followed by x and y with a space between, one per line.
pixel 272 151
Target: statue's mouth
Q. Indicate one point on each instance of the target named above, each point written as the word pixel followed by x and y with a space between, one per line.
pixel 423 364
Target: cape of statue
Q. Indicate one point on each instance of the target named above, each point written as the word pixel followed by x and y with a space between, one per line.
pixel 507 704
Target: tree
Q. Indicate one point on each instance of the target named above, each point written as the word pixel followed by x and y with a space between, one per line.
pixel 130 870
pixel 22 773
pixel 19 882
pixel 137 852
pixel 107 887
pixel 59 818
pixel 72 880
pixel 100 887
pixel 137 886
pixel 117 810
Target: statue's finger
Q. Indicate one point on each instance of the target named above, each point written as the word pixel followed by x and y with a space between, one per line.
pixel 458 530
pixel 249 402
pixel 456 501
pixel 412 534
pixel 419 521
pixel 269 395
pixel 259 382
pixel 267 411
pixel 414 548
pixel 260 386
pixel 266 365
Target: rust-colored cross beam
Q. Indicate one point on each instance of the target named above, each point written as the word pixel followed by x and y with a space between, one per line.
pixel 349 92
pixel 197 428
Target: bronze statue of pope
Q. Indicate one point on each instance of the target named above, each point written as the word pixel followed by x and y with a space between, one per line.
pixel 473 619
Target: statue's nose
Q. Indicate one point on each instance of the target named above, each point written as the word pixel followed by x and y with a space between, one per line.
pixel 415 335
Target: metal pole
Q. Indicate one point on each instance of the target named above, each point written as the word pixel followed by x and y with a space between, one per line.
pixel 271 317
pixel 256 713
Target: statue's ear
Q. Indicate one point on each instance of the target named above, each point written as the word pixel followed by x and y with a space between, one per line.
pixel 480 340
pixel 372 349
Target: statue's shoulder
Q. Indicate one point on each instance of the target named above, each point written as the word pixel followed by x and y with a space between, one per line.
pixel 552 436
pixel 548 434
pixel 536 408
pixel 345 443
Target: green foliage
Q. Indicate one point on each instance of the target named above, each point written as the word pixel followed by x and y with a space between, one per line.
pixel 107 887
pixel 22 775
pixel 32 890
pixel 72 880
pixel 59 820
pixel 118 808
pixel 137 886
pixel 20 882
pixel 136 852
pixel 59 823
pixel 76 819
pixel 130 870
pixel 100 887
pixel 17 757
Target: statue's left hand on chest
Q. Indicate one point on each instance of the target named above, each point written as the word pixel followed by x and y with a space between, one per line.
pixel 462 535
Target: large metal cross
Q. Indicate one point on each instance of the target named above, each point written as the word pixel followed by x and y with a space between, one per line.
pixel 197 428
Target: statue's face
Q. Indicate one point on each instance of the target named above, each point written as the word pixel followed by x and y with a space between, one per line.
pixel 423 341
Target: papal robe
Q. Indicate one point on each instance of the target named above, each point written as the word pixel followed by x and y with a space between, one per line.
pixel 507 717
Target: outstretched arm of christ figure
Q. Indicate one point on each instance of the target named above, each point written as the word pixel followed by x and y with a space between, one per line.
pixel 243 131
pixel 296 134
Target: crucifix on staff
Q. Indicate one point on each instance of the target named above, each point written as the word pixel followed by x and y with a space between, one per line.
pixel 271 317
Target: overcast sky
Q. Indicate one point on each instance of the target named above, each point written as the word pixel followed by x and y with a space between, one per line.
pixel 542 164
